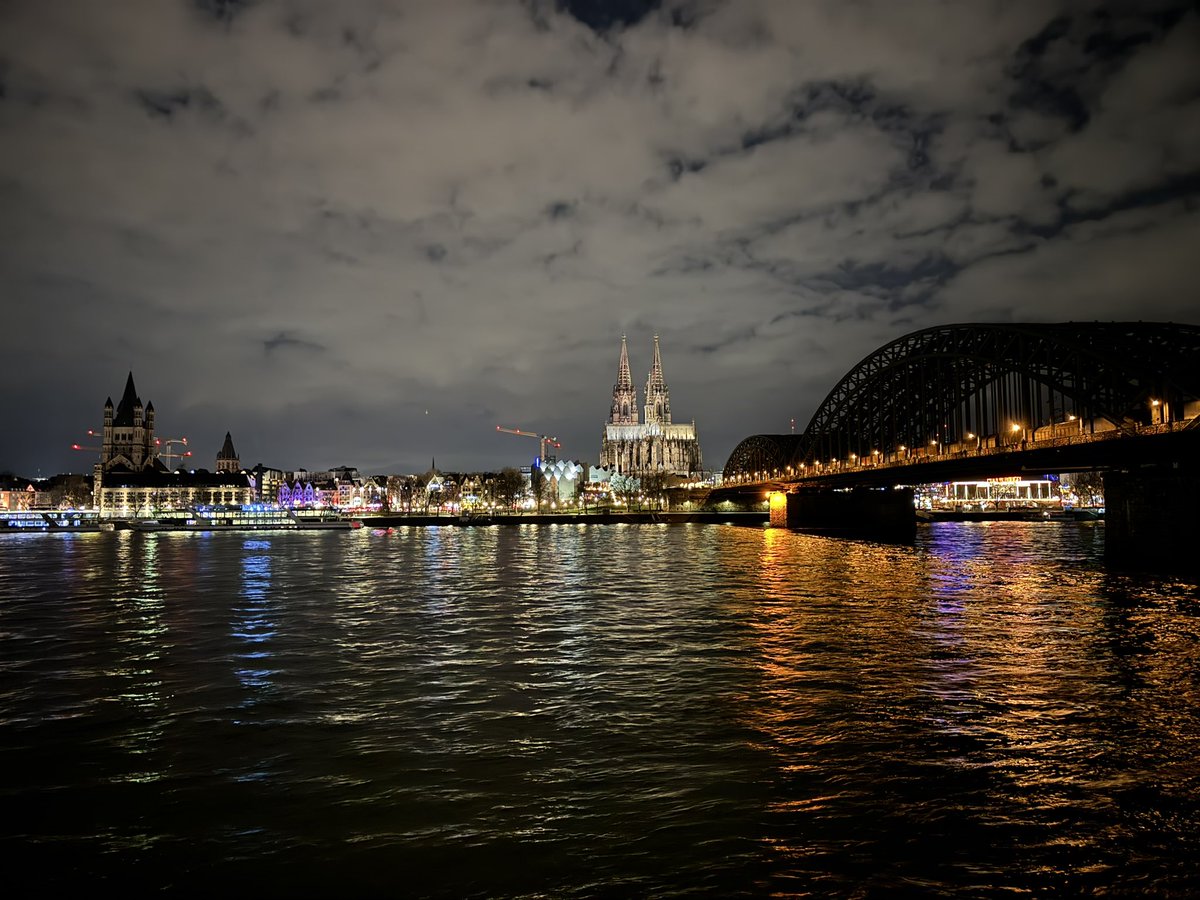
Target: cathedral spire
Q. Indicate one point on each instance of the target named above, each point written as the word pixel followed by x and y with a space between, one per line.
pixel 624 404
pixel 624 379
pixel 656 375
pixel 658 398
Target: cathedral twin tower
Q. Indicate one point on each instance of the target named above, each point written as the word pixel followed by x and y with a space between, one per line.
pixel 655 445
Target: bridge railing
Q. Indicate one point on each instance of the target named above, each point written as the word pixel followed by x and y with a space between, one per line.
pixel 921 455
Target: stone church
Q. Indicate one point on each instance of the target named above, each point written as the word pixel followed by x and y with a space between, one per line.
pixel 128 437
pixel 655 445
pixel 131 480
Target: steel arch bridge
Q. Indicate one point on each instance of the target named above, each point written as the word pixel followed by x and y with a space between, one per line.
pixel 988 385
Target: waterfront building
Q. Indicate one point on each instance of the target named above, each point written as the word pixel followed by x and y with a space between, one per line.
pixel 266 482
pixel 131 481
pixel 227 458
pixel 16 493
pixel 656 445
pixel 127 494
pixel 299 493
pixel 564 479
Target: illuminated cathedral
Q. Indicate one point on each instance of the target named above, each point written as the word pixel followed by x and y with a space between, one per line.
pixel 654 445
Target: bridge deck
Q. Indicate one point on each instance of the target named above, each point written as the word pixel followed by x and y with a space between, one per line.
pixel 1143 445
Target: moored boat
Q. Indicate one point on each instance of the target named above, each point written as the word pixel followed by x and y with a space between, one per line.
pixel 242 518
pixel 45 520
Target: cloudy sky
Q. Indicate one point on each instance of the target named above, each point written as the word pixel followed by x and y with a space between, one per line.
pixel 366 233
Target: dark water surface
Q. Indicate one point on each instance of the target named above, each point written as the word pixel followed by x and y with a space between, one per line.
pixel 578 711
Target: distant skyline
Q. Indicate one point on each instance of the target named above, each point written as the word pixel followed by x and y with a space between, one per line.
pixel 366 234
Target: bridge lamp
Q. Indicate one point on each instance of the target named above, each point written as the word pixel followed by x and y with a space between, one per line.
pixel 1155 402
pixel 1014 427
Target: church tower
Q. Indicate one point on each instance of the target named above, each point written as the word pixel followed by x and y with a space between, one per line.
pixel 227 458
pixel 658 398
pixel 128 439
pixel 624 403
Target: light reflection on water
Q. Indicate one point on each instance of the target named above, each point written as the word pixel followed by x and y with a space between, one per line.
pixel 581 710
pixel 253 623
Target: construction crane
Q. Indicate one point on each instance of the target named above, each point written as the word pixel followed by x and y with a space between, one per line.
pixel 544 440
pixel 93 436
pixel 169 454
pixel 162 448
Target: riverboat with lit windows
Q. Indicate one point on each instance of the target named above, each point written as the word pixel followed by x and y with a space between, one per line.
pixel 47 520
pixel 1012 498
pixel 249 517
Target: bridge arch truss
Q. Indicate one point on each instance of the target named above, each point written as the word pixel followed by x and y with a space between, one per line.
pixel 956 385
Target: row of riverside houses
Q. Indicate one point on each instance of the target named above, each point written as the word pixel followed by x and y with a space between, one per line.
pixel 131 479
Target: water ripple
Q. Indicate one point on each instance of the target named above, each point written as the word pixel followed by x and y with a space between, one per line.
pixel 577 711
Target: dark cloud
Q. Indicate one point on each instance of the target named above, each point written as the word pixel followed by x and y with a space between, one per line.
pixel 602 15
pixel 413 222
pixel 285 340
pixel 222 10
pixel 165 104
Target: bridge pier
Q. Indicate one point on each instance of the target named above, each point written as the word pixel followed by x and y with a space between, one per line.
pixel 1151 517
pixel 862 512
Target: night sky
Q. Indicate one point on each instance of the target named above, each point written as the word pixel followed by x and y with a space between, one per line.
pixel 367 233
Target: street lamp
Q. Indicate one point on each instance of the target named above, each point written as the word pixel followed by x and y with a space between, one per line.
pixel 1156 412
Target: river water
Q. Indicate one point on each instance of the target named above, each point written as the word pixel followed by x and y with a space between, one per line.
pixel 582 711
